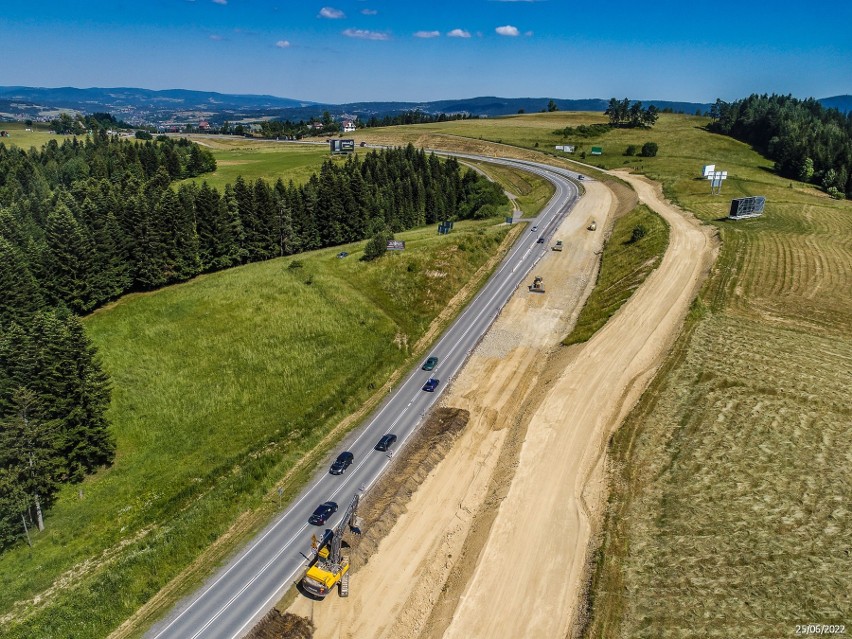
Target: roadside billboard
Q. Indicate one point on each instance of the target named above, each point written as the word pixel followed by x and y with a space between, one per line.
pixel 337 145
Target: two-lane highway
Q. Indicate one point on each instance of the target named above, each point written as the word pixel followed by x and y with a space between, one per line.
pixel 228 605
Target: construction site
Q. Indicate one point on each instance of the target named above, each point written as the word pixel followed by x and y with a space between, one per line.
pixel 456 553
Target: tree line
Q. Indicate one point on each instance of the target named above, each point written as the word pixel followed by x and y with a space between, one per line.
pixel 416 116
pixel 807 141
pixel 65 124
pixel 623 113
pixel 82 223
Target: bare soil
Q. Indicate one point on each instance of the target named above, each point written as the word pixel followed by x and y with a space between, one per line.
pixel 282 626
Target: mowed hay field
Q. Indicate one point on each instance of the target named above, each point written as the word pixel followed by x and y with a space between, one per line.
pixel 224 386
pixel 730 515
pixel 731 490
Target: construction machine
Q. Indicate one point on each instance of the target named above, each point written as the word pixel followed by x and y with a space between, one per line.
pixel 592 226
pixel 557 246
pixel 537 285
pixel 330 567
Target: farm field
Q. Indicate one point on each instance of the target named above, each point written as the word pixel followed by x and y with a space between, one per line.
pixel 37 137
pixel 225 388
pixel 729 511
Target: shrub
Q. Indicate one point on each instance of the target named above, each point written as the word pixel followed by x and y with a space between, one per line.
pixel 377 246
pixel 630 150
pixel 649 149
pixel 637 233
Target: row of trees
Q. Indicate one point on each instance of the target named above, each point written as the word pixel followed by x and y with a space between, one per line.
pixel 807 141
pixel 623 113
pixel 416 117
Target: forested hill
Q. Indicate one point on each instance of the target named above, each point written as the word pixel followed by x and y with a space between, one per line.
pixel 808 142
pixel 84 222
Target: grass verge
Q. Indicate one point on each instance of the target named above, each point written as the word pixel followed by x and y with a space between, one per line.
pixel 625 263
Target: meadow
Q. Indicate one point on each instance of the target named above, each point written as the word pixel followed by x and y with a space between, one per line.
pixel 253 159
pixel 38 135
pixel 223 386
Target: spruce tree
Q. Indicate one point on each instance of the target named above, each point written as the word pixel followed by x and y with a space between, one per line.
pixel 69 261
pixel 20 295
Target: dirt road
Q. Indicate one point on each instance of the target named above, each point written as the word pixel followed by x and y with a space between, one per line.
pixel 494 542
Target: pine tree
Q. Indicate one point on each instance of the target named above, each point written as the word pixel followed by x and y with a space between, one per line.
pixel 20 295
pixel 69 261
pixel 29 450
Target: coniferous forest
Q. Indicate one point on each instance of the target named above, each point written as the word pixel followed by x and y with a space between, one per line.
pixel 807 141
pixel 83 222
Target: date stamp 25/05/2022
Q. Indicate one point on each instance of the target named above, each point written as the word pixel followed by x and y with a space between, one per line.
pixel 820 629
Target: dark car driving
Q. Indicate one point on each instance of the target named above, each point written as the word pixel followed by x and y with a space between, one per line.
pixel 431 363
pixel 431 385
pixel 386 442
pixel 322 513
pixel 343 461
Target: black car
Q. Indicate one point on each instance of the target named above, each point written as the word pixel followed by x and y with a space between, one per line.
pixel 386 442
pixel 431 385
pixel 322 513
pixel 540 240
pixel 342 254
pixel 343 461
pixel 431 363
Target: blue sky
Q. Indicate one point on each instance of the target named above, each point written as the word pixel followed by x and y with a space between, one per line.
pixel 353 50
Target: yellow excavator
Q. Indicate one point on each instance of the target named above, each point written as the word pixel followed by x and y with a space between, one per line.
pixel 330 567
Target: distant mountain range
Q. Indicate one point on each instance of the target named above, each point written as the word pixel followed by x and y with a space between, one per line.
pixel 144 106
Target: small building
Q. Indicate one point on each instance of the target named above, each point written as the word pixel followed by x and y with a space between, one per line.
pixel 348 126
pixel 204 125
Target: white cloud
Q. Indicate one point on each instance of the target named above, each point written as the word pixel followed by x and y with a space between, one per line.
pixel 508 30
pixel 528 33
pixel 282 44
pixel 458 33
pixel 331 13
pixel 363 34
pixel 220 1
pixel 369 12
pixel 427 34
pixel 215 37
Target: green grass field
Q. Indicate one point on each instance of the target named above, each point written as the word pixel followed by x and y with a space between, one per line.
pixel 38 136
pixel 221 385
pixel 624 266
pixel 256 159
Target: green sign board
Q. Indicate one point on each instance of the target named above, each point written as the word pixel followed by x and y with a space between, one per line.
pixel 597 150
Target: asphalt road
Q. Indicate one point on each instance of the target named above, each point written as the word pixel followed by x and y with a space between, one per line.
pixel 241 592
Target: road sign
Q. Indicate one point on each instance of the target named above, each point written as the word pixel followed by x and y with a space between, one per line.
pixel 597 150
pixel 396 245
